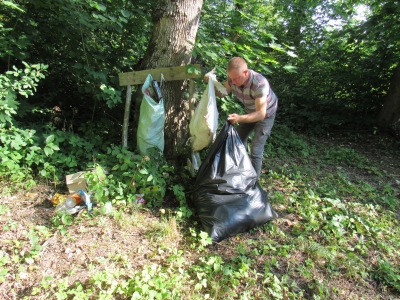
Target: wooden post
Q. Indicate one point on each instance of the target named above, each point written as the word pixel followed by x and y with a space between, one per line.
pixel 192 100
pixel 126 115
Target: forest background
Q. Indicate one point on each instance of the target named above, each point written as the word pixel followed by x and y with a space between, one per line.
pixel 334 66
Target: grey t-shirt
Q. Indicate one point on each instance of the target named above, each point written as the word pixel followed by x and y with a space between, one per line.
pixel 256 87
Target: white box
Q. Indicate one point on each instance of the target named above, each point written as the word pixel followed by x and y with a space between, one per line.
pixel 76 182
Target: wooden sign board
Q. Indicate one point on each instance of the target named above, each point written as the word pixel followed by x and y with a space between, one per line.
pixel 171 73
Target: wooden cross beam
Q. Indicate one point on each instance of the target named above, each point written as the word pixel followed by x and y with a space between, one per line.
pixel 170 73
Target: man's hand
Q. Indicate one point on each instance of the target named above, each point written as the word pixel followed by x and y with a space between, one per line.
pixel 234 118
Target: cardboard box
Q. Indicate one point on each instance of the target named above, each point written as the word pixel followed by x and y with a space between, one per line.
pixel 76 182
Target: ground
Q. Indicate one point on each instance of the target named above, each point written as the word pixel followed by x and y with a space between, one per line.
pixel 78 252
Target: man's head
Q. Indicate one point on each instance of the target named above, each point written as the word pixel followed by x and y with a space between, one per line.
pixel 237 71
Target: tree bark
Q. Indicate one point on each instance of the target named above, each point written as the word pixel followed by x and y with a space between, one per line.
pixel 175 28
pixel 390 112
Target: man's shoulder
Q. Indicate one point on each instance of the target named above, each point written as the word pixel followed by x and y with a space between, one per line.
pixel 259 79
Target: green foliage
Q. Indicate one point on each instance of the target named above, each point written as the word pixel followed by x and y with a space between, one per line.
pixel 119 174
pixel 22 154
pixel 184 211
pixel 20 151
pixel 284 141
pixel 344 70
pixel 388 274
pixel 18 82
pixel 85 44
pixel 239 29
pixel 226 106
pixel 192 69
pixel 388 197
pixel 347 156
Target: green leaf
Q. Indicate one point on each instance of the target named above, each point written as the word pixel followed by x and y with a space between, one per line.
pixel 4 118
pixel 12 5
pixel 98 6
pixel 48 151
pixel 290 68
pixel 192 69
pixel 125 13
pixel 50 139
pixel 122 19
pixel 212 55
pixel 67 219
pixel 54 147
pixel 266 69
pixel 139 11
pixel 78 66
pixel 17 142
pixel 10 99
pixel 34 240
pixel 276 47
pixel 143 171
pixel 15 156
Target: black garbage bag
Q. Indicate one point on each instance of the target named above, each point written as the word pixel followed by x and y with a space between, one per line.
pixel 227 195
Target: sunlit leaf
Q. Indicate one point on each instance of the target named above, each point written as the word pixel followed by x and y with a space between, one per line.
pixel 290 68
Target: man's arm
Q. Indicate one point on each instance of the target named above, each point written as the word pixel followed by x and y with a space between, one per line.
pixel 258 115
pixel 221 94
pixel 219 90
pixel 227 87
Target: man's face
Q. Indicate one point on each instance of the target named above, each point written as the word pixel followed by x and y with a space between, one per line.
pixel 238 77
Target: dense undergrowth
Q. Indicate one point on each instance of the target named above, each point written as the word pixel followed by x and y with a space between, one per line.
pixel 337 236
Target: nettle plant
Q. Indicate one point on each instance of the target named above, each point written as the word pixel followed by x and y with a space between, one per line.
pixel 121 175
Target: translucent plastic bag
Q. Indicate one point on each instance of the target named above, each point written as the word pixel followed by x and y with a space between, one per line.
pixel 204 123
pixel 150 131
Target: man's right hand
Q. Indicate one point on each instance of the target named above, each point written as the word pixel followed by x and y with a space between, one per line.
pixel 234 118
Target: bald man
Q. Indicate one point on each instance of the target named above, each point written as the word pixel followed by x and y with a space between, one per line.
pixel 260 105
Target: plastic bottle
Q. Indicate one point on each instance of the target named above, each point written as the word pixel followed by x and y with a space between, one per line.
pixel 67 206
pixel 74 199
pixel 75 203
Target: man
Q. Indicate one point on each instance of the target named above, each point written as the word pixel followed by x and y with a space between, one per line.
pixel 260 105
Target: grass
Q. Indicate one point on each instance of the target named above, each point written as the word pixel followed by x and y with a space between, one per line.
pixel 337 237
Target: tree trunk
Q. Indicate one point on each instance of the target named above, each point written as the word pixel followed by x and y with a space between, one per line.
pixel 390 112
pixel 175 27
